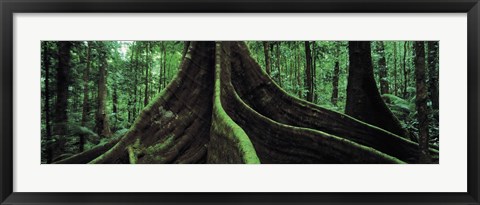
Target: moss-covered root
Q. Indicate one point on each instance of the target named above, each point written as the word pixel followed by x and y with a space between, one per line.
pixel 262 94
pixel 181 111
pixel 279 143
pixel 88 155
pixel 229 144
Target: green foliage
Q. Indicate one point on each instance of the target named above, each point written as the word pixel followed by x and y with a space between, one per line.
pixel 406 112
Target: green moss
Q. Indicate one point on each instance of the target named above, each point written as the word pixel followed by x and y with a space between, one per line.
pixel 158 147
pixel 224 124
pixel 131 155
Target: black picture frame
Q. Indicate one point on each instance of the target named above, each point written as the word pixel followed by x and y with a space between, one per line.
pixel 10 7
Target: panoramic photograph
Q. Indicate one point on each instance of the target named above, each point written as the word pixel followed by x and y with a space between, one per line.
pixel 239 102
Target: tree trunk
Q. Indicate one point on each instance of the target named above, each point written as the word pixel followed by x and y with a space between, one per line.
pixel 383 70
pixel 299 81
pixel 314 72
pixel 164 66
pixel 395 91
pixel 267 56
pixel 161 68
pixel 433 72
pixel 101 122
pixel 61 104
pixel 363 99
pixel 336 75
pixel 48 129
pixel 147 65
pixel 115 106
pixel 308 72
pixel 136 50
pixel 85 110
pixel 405 73
pixel 223 108
pixel 279 69
pixel 336 72
pixel 421 100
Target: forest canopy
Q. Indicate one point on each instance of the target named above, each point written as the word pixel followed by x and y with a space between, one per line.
pixel 240 102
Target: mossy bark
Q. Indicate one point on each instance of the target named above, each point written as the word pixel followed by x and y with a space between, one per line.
pixel 222 108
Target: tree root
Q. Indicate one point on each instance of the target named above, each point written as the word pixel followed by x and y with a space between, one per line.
pixel 280 143
pixel 266 97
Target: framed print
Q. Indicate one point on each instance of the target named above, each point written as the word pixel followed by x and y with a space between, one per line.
pixel 239 102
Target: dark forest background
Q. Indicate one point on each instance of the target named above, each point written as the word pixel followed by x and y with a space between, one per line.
pixel 108 83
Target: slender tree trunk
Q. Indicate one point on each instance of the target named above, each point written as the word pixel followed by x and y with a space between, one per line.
pixel 160 73
pixel 291 70
pixel 279 69
pixel 165 66
pixel 85 110
pixel 61 104
pixel 115 106
pixel 363 98
pixel 299 81
pixel 266 46
pixel 147 65
pixel 308 72
pixel 336 72
pixel 405 74
pixel 433 72
pixel 48 129
pixel 135 90
pixel 102 125
pixel 383 70
pixel 314 72
pixel 421 100
pixel 336 75
pixel 395 91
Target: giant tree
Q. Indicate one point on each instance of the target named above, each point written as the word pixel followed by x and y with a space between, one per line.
pixel 223 108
